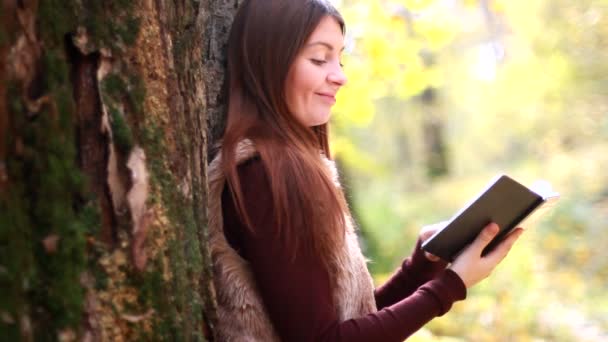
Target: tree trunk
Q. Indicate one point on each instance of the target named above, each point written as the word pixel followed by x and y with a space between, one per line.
pixel 107 113
pixel 435 147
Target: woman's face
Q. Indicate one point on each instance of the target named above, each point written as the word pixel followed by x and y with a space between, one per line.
pixel 316 74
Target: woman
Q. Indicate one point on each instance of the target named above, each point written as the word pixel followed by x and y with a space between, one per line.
pixel 286 259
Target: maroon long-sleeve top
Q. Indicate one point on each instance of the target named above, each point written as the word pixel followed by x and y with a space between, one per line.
pixel 296 291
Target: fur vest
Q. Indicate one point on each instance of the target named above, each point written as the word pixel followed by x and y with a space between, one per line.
pixel 241 313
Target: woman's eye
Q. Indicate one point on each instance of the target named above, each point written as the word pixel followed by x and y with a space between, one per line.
pixel 318 61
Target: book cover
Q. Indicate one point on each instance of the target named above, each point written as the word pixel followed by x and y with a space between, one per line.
pixel 504 201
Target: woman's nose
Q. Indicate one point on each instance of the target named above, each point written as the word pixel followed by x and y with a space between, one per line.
pixel 337 76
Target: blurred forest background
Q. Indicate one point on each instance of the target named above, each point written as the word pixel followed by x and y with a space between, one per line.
pixel 443 95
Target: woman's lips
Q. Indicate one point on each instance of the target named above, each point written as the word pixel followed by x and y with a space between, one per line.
pixel 331 98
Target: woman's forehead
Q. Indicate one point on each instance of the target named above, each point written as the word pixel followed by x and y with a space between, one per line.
pixel 327 34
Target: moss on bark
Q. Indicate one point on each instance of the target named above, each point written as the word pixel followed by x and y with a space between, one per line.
pixel 44 218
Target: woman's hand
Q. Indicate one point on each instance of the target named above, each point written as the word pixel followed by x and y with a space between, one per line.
pixel 426 233
pixel 471 266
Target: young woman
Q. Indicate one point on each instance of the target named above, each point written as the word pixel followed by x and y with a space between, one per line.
pixel 287 264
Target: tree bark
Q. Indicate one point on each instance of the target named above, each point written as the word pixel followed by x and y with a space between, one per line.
pixel 108 111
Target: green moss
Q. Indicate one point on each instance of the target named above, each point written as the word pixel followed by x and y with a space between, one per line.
pixel 54 182
pixel 183 252
pixel 16 258
pixel 44 199
pixel 108 24
pixel 153 294
pixel 114 86
pixel 91 16
pixel 116 91
pixel 137 94
pixel 123 138
pixel 129 30
pixel 56 18
pixel 65 104
pixel 111 24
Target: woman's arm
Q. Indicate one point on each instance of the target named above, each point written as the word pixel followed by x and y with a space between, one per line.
pixel 400 320
pixel 414 271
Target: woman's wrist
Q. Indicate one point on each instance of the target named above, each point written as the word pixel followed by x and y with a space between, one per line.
pixel 420 266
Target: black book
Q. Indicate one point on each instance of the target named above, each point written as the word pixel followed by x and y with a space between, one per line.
pixel 505 202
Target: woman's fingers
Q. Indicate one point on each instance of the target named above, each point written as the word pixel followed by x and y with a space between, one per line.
pixel 485 237
pixel 471 266
pixel 501 251
pixel 428 231
pixel 431 257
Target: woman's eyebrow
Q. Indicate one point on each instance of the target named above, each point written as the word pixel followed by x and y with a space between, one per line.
pixel 327 45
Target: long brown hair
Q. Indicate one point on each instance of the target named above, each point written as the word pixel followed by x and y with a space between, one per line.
pixel 265 38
